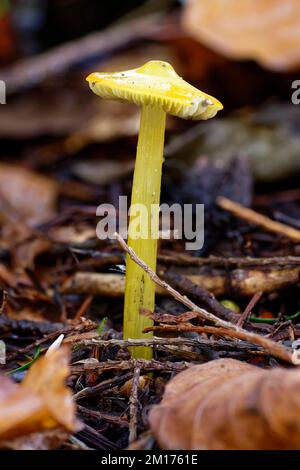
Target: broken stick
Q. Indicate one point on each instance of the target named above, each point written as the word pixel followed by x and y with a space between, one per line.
pixel 225 328
pixel 258 219
pixel 238 282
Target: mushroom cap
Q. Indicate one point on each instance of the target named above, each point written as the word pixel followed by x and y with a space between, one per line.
pixel 156 84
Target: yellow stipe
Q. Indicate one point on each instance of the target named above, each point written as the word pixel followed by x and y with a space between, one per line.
pixel 139 288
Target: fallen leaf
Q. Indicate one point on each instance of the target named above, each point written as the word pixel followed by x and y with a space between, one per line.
pixel 46 440
pixel 30 196
pixel 227 404
pixel 7 277
pixel 266 31
pixel 24 254
pixel 41 403
pixel 126 388
pixel 72 234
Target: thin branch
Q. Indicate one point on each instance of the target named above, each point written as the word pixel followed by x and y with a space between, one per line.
pixel 145 442
pixel 227 328
pixel 174 343
pixel 200 294
pixel 143 364
pixel 29 72
pixel 99 415
pixel 133 409
pixel 274 349
pixel 101 387
pixel 258 219
pixel 242 282
pixel 249 309
pixel 181 298
pixel 182 259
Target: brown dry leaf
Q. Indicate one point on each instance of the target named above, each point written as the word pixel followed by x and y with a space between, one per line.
pixel 41 403
pixel 72 234
pixel 19 240
pixel 227 404
pixel 7 277
pixel 29 195
pixel 267 31
pixel 26 313
pixel 25 254
pixel 46 440
pixel 126 388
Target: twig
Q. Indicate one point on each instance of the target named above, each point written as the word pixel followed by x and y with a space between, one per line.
pixel 143 364
pixel 195 352
pixel 281 196
pixel 4 302
pixel 29 72
pixel 133 409
pixel 126 343
pixel 240 282
pixel 182 259
pixel 249 309
pixel 258 219
pixel 145 442
pixel 183 299
pixel 287 219
pixel 274 349
pixel 84 307
pixel 101 387
pixel 78 443
pixel 29 326
pixel 198 342
pixel 96 440
pixel 87 325
pixel 201 294
pixel 99 415
pixel 228 329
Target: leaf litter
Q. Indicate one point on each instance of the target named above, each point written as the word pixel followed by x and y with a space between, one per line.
pixel 59 279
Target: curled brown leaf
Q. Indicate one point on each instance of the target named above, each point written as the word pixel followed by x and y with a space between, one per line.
pixel 266 31
pixel 228 404
pixel 26 196
pixel 41 403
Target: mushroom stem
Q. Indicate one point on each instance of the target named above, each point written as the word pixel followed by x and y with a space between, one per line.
pixel 144 225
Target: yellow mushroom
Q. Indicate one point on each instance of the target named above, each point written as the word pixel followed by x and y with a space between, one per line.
pixel 158 89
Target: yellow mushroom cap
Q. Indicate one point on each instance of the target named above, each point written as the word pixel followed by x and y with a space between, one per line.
pixel 156 84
